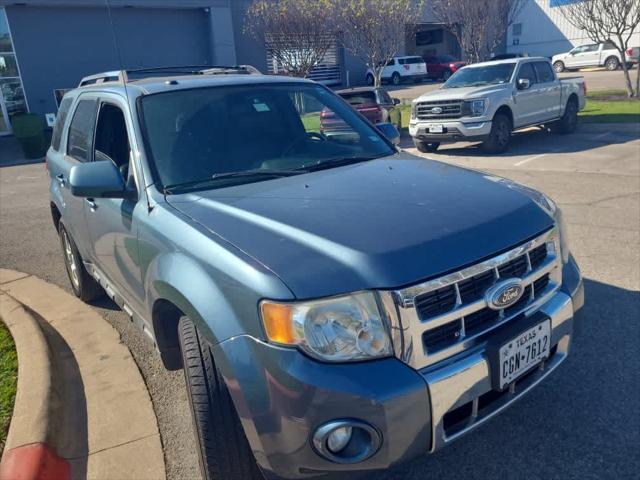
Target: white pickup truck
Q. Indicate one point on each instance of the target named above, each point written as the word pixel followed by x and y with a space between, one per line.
pixel 487 101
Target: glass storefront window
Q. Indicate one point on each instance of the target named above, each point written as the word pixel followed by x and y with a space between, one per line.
pixel 12 99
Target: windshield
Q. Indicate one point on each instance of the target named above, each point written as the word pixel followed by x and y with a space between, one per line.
pixel 217 136
pixel 476 76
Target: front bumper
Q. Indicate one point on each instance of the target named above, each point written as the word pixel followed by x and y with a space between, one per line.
pixel 282 396
pixel 453 130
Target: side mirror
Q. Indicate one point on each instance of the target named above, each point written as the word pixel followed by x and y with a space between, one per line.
pixel 100 179
pixel 523 83
pixel 390 131
pixel 396 101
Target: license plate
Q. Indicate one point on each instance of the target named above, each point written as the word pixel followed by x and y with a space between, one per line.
pixel 524 351
pixel 436 128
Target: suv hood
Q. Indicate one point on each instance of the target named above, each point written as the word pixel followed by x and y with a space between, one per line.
pixel 379 224
pixel 463 93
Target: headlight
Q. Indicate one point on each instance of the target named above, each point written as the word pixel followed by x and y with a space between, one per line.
pixel 339 329
pixel 552 209
pixel 413 110
pixel 478 107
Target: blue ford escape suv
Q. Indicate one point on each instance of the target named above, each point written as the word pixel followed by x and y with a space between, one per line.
pixel 337 306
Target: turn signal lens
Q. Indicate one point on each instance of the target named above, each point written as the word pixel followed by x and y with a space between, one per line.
pixel 278 323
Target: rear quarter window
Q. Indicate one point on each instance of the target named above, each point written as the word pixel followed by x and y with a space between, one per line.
pixel 61 118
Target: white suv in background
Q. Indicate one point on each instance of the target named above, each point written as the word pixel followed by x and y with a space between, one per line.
pixel 591 55
pixel 401 68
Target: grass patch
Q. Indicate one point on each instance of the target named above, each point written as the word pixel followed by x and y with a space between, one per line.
pixel 608 106
pixel 8 381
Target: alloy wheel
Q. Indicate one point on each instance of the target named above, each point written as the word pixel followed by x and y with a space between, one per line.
pixel 70 259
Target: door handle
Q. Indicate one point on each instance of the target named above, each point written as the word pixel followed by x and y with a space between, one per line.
pixel 91 202
pixel 61 180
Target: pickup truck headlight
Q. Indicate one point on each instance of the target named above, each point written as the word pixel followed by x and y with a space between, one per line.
pixel 414 114
pixel 477 107
pixel 338 329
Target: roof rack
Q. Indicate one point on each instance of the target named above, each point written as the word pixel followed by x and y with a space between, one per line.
pixel 123 76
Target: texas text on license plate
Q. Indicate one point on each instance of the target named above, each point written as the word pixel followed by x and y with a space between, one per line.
pixel 435 128
pixel 524 351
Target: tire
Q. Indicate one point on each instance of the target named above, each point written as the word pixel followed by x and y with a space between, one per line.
pixel 395 78
pixel 426 147
pixel 446 75
pixel 558 66
pixel 498 140
pixel 84 286
pixel 569 120
pixel 369 79
pixel 223 448
pixel 612 63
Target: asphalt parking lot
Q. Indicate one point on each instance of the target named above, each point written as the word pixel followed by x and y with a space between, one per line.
pixel 581 423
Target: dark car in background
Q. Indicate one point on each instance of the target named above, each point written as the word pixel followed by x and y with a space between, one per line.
pixel 442 66
pixel 374 103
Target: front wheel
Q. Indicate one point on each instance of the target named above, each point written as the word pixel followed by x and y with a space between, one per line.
pixel 224 451
pixel 426 147
pixel 612 63
pixel 498 139
pixel 558 66
pixel 446 75
pixel 83 285
pixel 395 78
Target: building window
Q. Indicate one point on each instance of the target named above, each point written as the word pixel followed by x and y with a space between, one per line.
pixel 12 100
pixel 429 37
pixel 516 29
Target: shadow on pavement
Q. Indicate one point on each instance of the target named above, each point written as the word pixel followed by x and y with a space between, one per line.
pixel 538 140
pixel 581 422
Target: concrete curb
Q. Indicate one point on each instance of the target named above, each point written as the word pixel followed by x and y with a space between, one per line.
pixel 87 406
pixel 26 449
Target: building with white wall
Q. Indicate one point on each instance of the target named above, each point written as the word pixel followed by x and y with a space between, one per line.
pixel 540 29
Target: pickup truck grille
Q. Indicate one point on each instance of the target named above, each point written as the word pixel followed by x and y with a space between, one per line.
pixel 447 315
pixel 444 109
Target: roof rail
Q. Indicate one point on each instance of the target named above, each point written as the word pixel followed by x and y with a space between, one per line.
pixel 123 76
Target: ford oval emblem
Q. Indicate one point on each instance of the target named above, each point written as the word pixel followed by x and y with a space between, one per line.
pixel 504 294
pixel 436 110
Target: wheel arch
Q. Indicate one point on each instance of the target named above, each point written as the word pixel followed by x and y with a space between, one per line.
pixel 505 110
pixel 55 215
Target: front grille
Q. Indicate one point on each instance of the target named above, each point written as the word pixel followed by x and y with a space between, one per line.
pixel 449 314
pixel 448 109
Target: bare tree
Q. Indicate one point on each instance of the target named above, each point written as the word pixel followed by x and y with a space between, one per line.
pixel 375 31
pixel 607 20
pixel 478 25
pixel 297 33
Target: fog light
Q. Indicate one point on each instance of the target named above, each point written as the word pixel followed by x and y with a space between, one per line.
pixel 339 438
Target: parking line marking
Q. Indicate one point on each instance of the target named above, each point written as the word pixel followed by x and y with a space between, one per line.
pixel 602 135
pixel 527 160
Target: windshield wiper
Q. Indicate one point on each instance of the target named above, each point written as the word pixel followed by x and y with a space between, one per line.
pixel 226 175
pixel 337 162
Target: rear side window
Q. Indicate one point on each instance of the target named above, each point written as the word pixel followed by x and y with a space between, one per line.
pixel 544 72
pixel 61 118
pixel 609 46
pixel 79 145
pixel 413 60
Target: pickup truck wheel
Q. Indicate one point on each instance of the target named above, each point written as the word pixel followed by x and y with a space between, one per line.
pixel 569 120
pixel 612 63
pixel 498 139
pixel 83 285
pixel 395 78
pixel 426 147
pixel 446 74
pixel 558 66
pixel 224 451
